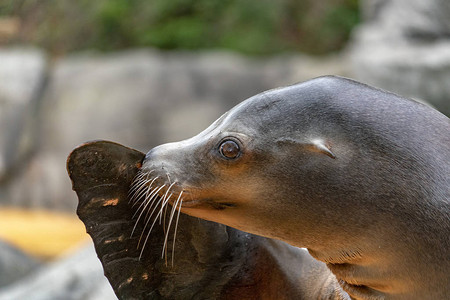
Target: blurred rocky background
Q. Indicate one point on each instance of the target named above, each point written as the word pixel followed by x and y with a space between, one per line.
pixel 143 73
pixel 404 46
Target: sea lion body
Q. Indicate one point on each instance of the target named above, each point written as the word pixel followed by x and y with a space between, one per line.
pixel 358 176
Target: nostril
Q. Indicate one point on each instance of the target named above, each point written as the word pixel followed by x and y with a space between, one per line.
pixel 156 159
pixel 152 153
pixel 148 155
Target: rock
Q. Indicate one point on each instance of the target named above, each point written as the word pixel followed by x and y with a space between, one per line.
pixel 75 277
pixel 404 46
pixel 22 76
pixel 412 20
pixel 14 264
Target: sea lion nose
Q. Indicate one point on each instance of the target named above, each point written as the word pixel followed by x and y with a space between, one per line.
pixel 164 156
pixel 170 151
pixel 160 152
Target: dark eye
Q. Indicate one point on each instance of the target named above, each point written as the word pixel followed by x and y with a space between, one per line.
pixel 229 149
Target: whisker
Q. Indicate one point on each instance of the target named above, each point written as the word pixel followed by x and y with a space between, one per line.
pixel 138 176
pixel 138 182
pixel 132 195
pixel 155 192
pixel 142 208
pixel 164 224
pixel 149 194
pixel 170 222
pixel 176 227
pixel 137 194
pixel 165 209
pixel 153 199
pixel 166 232
pixel 148 234
pixel 161 215
pixel 149 218
pixel 142 192
pixel 167 192
pixel 148 182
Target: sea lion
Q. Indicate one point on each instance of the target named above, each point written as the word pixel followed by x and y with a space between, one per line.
pixel 358 176
pixel 211 261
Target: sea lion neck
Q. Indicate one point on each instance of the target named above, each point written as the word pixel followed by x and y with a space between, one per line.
pixel 354 270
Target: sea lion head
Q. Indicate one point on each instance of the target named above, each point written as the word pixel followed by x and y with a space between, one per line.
pixel 256 165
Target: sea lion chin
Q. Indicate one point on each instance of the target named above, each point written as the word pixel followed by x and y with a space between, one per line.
pixel 358 176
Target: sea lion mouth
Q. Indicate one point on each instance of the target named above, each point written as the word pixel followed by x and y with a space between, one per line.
pixel 201 202
pixel 153 199
pixel 209 203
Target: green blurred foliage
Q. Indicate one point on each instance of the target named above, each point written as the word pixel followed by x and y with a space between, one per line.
pixel 248 26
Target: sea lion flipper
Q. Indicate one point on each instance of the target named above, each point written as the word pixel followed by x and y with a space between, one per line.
pixel 101 173
pixel 102 162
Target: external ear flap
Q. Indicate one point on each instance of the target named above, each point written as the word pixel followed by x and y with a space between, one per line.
pixel 316 145
pixel 323 148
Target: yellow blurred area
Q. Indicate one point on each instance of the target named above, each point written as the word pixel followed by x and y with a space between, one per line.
pixel 44 234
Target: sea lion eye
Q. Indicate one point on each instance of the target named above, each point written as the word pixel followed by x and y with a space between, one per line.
pixel 229 149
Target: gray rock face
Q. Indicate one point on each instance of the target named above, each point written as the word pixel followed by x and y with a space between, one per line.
pixel 22 75
pixel 76 277
pixel 140 98
pixel 14 264
pixel 404 46
pixel 406 19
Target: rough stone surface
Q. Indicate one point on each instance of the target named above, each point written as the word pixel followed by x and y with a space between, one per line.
pixel 76 277
pixel 404 46
pixel 140 98
pixel 14 264
pixel 408 19
pixel 22 75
